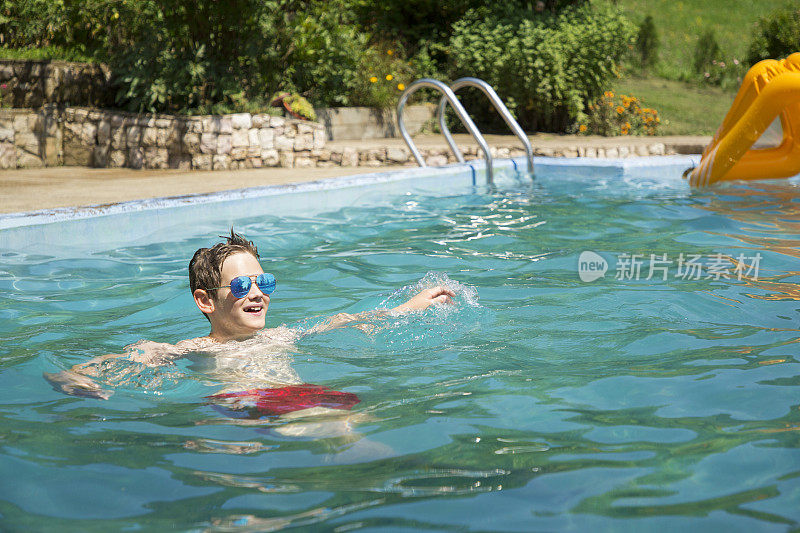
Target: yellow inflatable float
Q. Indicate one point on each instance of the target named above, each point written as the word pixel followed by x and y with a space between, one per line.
pixel 770 90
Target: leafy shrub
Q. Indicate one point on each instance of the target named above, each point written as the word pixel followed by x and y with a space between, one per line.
pixel 619 114
pixel 776 35
pixel 201 56
pixel 547 69
pixel 647 43
pixel 706 51
pixel 728 74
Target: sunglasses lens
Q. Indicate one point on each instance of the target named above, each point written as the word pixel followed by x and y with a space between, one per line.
pixel 266 282
pixel 240 286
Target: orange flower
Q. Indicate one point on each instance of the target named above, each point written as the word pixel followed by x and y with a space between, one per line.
pixel 389 77
pixel 608 94
pixel 620 109
pixel 389 52
pixel 582 128
pixel 373 79
pixel 401 87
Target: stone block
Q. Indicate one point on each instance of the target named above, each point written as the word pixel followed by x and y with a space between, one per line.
pixel 225 125
pixel 270 157
pixel 103 132
pixel 180 161
pixel 319 138
pixel 134 136
pixel 303 162
pixel 100 156
pixel 156 157
pixel 349 157
pixel 321 155
pixel 436 160
pixel 6 135
pixel 238 153
pixel 149 137
pixel 283 143
pixel 208 143
pixel 26 159
pixel 624 151
pixel 242 121
pixel 211 124
pixel 164 122
pixel 260 121
pixel 303 128
pixel 20 123
pixel 277 122
pixel 224 144
pixel 201 161
pixel 612 152
pixel 221 162
pixel 255 162
pixel 194 125
pixel 287 159
pixel 252 137
pixel 27 141
pixel 590 152
pixel 397 155
pixel 253 151
pixel 116 159
pixel 336 156
pixel 657 149
pixel 303 142
pixel 135 157
pixel 162 136
pixel 8 155
pixel 118 139
pixel 239 138
pixel 191 142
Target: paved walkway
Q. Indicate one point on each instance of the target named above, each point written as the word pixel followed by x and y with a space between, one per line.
pixel 35 189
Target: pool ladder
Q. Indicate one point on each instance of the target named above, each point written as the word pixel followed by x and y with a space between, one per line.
pixel 448 95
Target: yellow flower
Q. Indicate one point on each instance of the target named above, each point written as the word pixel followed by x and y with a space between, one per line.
pixel 373 79
pixel 620 109
pixel 401 87
pixel 582 128
pixel 389 77
pixel 115 16
pixel 608 94
pixel 389 52
pixel 627 125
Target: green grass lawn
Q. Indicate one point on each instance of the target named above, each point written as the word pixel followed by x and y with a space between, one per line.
pixel 684 108
pixel 680 23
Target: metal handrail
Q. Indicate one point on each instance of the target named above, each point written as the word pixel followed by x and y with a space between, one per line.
pixel 449 96
pixel 498 105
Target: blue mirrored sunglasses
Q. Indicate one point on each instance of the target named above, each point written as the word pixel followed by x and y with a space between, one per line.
pixel 240 285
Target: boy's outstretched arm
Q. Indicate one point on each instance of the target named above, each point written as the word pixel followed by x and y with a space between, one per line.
pixel 421 301
pixel 77 381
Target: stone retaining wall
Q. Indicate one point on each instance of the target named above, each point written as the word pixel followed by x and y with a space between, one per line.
pixel 52 136
pixel 25 83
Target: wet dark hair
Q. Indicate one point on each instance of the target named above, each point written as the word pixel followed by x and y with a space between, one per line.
pixel 205 268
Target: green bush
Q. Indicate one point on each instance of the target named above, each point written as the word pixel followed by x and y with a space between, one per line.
pixel 647 43
pixel 706 51
pixel 546 69
pixel 777 35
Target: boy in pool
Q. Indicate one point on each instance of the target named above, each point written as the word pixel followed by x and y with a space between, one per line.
pixel 233 292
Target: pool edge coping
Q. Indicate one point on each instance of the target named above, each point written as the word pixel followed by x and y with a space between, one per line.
pixel 60 214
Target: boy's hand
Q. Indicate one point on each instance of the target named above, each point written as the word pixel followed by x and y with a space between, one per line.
pixel 423 300
pixel 75 384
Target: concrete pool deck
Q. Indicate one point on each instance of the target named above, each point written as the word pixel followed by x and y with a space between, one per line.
pixel 24 190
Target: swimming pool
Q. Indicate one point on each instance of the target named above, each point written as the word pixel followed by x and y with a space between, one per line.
pixel 540 402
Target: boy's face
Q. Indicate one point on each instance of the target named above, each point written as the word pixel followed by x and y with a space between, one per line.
pixel 238 317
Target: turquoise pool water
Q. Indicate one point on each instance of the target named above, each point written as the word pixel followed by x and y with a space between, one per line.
pixel 539 402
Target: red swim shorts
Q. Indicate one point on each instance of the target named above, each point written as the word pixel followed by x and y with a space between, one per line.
pixel 275 402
